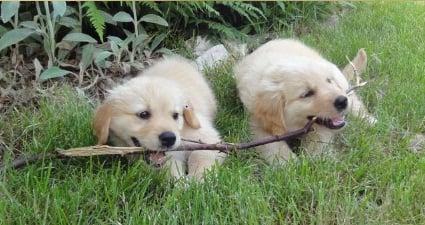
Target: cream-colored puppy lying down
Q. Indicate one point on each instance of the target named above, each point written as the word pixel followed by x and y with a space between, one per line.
pixel 285 83
pixel 169 101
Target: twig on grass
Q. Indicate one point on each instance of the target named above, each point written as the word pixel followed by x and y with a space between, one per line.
pixel 193 146
pixel 23 161
pixel 353 88
pixel 358 78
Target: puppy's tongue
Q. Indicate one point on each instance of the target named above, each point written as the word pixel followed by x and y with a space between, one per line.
pixel 337 121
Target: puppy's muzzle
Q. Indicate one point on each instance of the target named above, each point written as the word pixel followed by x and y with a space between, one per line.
pixel 167 139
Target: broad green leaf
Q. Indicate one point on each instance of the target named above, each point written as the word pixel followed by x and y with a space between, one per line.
pixel 8 10
pixel 114 47
pixel 115 39
pixel 157 40
pixel 139 39
pixel 101 57
pixel 152 18
pixel 29 24
pixel 53 72
pixel 129 39
pixel 108 18
pixel 69 22
pixel 122 17
pixel 14 36
pixel 79 37
pixel 2 30
pixel 141 29
pixel 86 56
pixel 59 8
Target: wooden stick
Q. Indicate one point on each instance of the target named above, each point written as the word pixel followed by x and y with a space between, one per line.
pixel 191 146
pixel 224 147
pixel 353 88
pixel 23 160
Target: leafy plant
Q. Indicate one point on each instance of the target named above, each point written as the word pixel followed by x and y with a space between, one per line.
pixel 96 17
pixel 139 38
pixel 57 27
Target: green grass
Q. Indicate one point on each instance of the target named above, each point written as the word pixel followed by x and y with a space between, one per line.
pixel 376 179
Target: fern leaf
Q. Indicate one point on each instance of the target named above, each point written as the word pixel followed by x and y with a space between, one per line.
pixel 152 5
pixel 96 18
pixel 226 30
pixel 246 10
pixel 208 8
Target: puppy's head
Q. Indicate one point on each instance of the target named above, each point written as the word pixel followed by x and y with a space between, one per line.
pixel 146 111
pixel 294 92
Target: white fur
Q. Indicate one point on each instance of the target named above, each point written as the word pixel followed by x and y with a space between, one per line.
pixel 270 82
pixel 163 89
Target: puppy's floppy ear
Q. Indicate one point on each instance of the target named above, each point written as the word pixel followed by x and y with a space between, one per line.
pixel 102 119
pixel 359 62
pixel 190 117
pixel 269 112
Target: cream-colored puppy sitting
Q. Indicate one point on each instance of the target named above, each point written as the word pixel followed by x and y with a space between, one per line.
pixel 284 83
pixel 169 101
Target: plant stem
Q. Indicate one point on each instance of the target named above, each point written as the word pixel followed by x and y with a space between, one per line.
pixel 51 32
pixel 16 49
pixel 80 14
pixel 135 22
pixel 37 6
pixel 136 30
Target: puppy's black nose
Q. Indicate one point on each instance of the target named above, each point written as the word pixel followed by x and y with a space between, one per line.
pixel 167 139
pixel 341 103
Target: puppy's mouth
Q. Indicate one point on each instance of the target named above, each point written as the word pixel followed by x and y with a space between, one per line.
pixel 333 123
pixel 157 159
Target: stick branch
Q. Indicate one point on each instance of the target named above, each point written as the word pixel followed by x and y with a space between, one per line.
pixel 193 146
pixel 190 146
pixel 358 78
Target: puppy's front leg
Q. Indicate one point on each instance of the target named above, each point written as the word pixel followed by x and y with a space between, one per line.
pixel 274 153
pixel 201 161
pixel 318 143
pixel 176 163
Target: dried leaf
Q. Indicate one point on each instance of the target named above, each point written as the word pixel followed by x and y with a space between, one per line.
pixel 38 68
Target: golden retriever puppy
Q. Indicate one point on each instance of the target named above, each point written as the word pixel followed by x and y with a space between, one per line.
pixel 169 101
pixel 284 83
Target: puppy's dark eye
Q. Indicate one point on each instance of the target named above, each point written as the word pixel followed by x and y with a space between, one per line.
pixel 328 80
pixel 307 94
pixel 175 116
pixel 144 115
